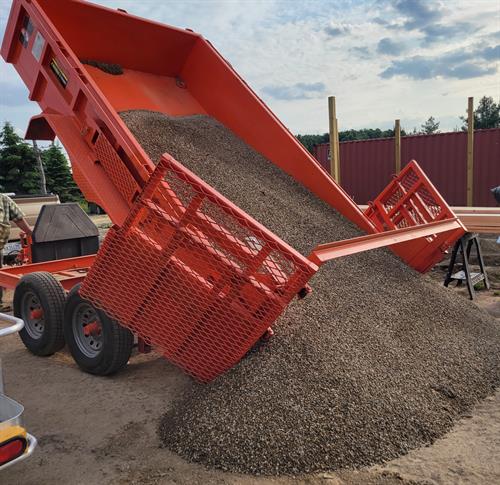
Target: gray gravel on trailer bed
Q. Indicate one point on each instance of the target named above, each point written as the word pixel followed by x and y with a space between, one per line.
pixel 375 362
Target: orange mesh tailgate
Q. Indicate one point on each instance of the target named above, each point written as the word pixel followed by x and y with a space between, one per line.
pixel 194 275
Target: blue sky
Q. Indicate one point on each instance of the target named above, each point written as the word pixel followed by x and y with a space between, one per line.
pixel 384 59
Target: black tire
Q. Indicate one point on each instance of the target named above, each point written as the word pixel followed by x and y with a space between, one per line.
pixel 43 293
pixel 104 351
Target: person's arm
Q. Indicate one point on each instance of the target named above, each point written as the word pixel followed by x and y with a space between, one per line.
pixel 23 225
pixel 17 216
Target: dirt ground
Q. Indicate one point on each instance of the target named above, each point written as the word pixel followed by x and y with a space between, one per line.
pixel 94 430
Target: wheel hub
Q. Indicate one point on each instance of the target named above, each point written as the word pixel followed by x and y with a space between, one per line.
pixel 92 329
pixel 87 330
pixel 32 314
pixel 36 314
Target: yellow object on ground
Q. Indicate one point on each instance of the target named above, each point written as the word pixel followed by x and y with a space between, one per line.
pixel 10 432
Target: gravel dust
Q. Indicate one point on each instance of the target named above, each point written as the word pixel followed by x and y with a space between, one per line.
pixel 375 362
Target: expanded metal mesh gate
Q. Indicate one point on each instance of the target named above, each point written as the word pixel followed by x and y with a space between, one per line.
pixel 194 275
pixel 411 200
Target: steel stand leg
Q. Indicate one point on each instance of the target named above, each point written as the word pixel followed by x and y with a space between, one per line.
pixel 466 267
pixel 464 245
pixel 481 263
pixel 453 259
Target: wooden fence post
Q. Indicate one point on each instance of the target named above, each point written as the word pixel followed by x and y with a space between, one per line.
pixel 397 146
pixel 470 152
pixel 337 148
pixel 334 154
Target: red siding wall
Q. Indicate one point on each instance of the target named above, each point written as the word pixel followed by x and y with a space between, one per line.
pixel 366 166
pixel 322 153
pixel 486 166
pixel 443 158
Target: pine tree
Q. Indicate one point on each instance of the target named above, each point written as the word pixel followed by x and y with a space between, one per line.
pixel 430 126
pixel 486 115
pixel 58 174
pixel 18 166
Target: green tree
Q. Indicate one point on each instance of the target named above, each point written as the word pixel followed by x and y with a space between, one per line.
pixel 18 165
pixel 367 134
pixel 430 126
pixel 58 174
pixel 486 115
pixel 309 141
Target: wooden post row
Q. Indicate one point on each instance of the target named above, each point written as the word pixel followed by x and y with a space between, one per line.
pixel 397 146
pixel 334 146
pixel 337 148
pixel 470 152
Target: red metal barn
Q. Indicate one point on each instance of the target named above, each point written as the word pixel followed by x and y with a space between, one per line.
pixel 366 164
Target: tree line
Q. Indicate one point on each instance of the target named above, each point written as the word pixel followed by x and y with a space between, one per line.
pixel 20 172
pixel 486 115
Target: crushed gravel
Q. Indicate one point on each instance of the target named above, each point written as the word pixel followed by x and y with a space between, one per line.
pixel 376 361
pixel 114 69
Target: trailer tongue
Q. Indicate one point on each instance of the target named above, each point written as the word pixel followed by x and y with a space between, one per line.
pixel 183 267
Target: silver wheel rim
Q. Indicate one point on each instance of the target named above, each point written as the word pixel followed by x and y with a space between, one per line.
pixel 87 330
pixel 34 324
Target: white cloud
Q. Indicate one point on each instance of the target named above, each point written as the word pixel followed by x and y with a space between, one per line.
pixel 289 45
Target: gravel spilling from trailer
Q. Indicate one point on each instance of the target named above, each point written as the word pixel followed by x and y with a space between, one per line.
pixel 375 362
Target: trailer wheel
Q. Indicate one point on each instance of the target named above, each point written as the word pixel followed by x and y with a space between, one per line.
pixel 99 344
pixel 39 301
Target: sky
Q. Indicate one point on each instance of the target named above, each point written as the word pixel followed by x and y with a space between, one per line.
pixel 383 59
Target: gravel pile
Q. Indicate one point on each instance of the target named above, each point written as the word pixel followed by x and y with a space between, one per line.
pixel 376 361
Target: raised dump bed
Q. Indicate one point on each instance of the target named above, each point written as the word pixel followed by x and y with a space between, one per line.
pixel 170 70
pixel 210 279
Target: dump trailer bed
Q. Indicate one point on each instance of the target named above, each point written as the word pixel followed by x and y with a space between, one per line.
pixel 210 279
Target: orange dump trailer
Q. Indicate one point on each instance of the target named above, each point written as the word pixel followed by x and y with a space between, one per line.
pixel 211 279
